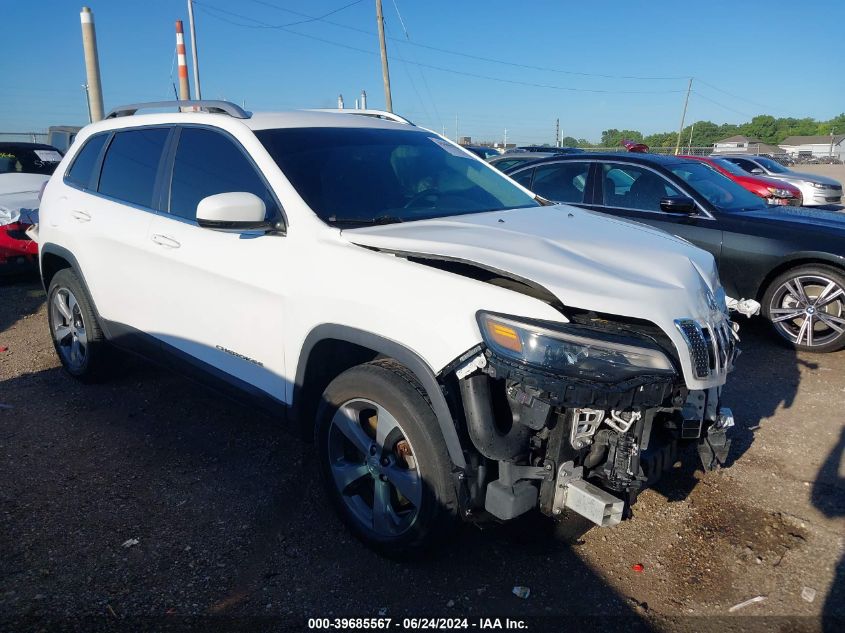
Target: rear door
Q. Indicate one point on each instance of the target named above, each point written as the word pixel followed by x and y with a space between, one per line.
pixel 220 300
pixel 111 216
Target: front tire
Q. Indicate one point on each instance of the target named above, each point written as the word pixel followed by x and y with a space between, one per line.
pixel 806 306
pixel 76 334
pixel 383 460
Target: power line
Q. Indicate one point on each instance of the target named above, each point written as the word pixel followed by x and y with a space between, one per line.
pixel 210 10
pixel 730 94
pixel 264 25
pixel 722 105
pixel 469 55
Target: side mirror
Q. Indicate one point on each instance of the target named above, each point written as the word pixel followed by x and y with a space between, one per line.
pixel 677 204
pixel 757 171
pixel 238 210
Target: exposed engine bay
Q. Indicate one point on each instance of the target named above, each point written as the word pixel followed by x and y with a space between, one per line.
pixel 570 443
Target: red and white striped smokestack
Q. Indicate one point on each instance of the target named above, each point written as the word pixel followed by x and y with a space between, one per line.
pixel 181 60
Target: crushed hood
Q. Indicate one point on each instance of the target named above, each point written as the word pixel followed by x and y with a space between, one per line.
pixel 19 193
pixel 586 260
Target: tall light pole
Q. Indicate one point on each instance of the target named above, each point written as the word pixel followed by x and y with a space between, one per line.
pixel 385 70
pixel 92 65
pixel 197 89
pixel 683 117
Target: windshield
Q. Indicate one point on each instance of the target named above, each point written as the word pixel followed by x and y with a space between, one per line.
pixel 720 191
pixel 23 159
pixel 352 176
pixel 772 165
pixel 727 165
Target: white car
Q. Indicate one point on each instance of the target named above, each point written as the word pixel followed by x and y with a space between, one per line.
pixel 457 349
pixel 816 190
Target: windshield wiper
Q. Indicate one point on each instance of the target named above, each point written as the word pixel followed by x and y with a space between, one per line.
pixel 380 219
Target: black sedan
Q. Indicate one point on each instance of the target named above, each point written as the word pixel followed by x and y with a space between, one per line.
pixel 790 259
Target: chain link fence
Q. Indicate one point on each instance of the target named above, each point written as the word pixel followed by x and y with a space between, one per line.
pixel 23 137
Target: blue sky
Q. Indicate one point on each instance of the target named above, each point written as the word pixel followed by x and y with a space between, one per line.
pixel 755 57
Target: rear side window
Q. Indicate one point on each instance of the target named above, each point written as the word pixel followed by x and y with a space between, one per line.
pixel 208 163
pixel 82 170
pixel 524 178
pixel 131 163
pixel 561 182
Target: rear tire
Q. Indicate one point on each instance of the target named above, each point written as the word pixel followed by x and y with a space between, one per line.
pixel 806 306
pixel 74 329
pixel 383 459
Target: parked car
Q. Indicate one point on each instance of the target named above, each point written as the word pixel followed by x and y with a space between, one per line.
pixel 507 161
pixel 24 169
pixel 456 348
pixel 816 190
pixel 771 190
pixel 482 151
pixel 791 260
pixel 545 149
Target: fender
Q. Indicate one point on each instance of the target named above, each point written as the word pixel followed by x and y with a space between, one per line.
pixel 54 249
pixel 392 349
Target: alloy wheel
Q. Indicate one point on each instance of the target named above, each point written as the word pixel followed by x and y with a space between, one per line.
pixel 809 310
pixel 68 328
pixel 374 468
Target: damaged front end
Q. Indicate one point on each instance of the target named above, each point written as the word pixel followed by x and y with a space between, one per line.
pixel 582 416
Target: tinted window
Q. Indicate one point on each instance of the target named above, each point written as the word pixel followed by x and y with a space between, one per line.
pixel 719 190
pixel 28 159
pixel 83 165
pixel 772 165
pixel 130 165
pixel 506 164
pixel 747 165
pixel 208 163
pixel 524 178
pixel 631 187
pixel 561 182
pixel 354 176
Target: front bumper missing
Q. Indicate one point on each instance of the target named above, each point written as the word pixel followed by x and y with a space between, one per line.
pixel 582 497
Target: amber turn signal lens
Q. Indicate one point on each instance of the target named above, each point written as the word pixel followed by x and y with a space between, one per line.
pixel 505 336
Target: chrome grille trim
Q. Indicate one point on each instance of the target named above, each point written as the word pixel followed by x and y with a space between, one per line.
pixel 711 345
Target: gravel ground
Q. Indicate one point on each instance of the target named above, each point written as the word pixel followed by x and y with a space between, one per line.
pixel 233 532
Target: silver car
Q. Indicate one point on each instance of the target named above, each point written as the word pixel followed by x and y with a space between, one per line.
pixel 816 190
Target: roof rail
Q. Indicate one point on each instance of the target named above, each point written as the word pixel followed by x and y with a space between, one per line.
pixel 215 107
pixel 376 114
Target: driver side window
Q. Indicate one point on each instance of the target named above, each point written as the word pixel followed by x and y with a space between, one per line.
pixel 632 187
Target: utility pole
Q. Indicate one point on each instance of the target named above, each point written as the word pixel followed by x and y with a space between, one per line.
pixel 87 102
pixel 831 141
pixel 557 132
pixel 92 66
pixel 683 117
pixel 505 140
pixel 197 89
pixel 181 62
pixel 689 145
pixel 385 71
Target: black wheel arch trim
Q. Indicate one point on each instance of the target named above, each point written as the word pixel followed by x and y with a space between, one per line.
pixel 392 349
pixel 54 249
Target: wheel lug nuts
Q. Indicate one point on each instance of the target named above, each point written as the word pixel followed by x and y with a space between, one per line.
pixel 385 462
pixel 383 477
pixel 373 449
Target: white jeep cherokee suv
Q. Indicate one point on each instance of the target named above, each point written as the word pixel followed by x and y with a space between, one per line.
pixel 457 347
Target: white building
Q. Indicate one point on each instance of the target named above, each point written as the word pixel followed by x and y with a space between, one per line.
pixel 823 145
pixel 740 144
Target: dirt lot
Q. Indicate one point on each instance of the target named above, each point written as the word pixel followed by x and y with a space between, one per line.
pixel 231 525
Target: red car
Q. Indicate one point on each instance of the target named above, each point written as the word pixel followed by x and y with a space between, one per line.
pixel 773 191
pixel 24 169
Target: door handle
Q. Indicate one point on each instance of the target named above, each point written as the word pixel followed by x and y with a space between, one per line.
pixel 80 216
pixel 167 242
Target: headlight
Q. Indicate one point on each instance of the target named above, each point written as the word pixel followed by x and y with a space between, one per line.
pixel 570 349
pixel 818 185
pixel 780 193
